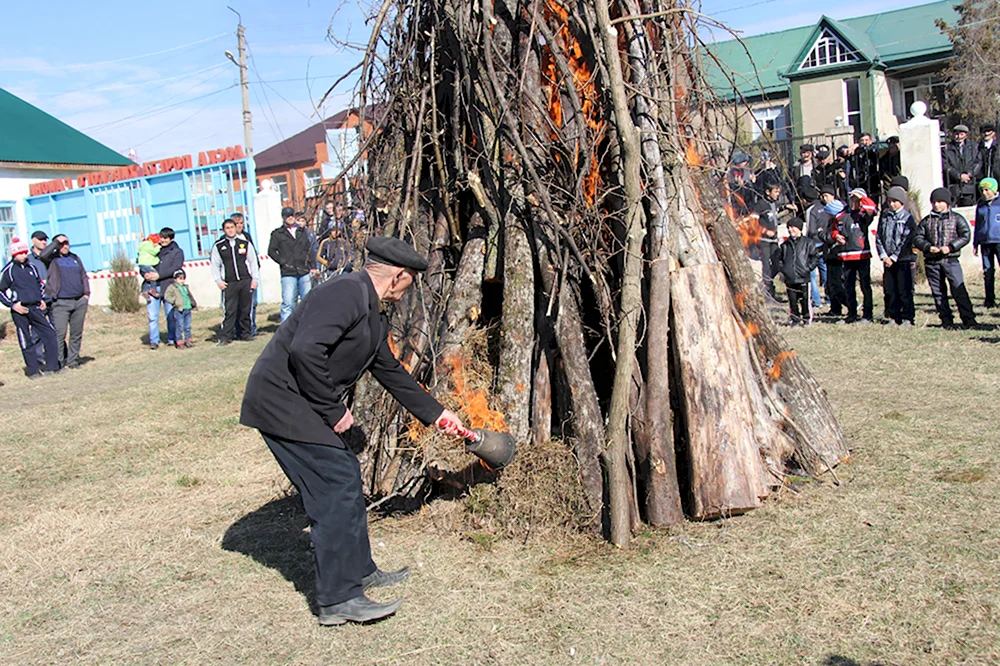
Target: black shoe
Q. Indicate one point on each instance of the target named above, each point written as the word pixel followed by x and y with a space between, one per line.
pixel 379 578
pixel 154 346
pixel 71 366
pixel 358 609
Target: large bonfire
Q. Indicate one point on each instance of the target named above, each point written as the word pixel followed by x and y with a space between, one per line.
pixel 587 280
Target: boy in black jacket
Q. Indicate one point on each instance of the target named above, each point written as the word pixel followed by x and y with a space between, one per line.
pixel 797 257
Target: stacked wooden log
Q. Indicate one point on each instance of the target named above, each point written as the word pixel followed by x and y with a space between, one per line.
pixel 548 157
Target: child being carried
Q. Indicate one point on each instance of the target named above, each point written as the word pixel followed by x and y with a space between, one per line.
pixel 148 259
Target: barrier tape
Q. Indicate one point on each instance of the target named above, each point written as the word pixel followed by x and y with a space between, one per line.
pixel 103 275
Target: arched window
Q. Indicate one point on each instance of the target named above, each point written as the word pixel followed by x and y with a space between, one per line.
pixel 828 50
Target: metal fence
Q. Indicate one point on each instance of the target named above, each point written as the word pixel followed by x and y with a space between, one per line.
pixel 103 220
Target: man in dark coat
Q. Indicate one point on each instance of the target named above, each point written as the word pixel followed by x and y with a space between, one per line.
pixel 291 247
pixel 68 290
pixel 295 397
pixel 988 153
pixel 171 260
pixel 962 164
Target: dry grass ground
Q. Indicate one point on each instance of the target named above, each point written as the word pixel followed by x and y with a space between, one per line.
pixel 140 524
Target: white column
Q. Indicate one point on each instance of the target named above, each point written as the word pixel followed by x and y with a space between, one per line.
pixel 920 155
pixel 267 213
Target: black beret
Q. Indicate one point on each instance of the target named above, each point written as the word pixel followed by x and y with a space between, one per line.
pixel 900 181
pixel 806 147
pixel 809 192
pixel 987 127
pixel 40 235
pixel 822 151
pixel 287 211
pixel 829 189
pixel 394 252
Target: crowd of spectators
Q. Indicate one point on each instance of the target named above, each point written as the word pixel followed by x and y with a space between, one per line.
pixel 829 200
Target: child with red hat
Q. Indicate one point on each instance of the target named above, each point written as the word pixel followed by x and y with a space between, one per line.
pixel 148 259
pixel 21 291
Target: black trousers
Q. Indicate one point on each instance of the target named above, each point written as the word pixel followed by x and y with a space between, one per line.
pixel 858 271
pixel 236 301
pixel 990 254
pixel 835 286
pixel 768 258
pixel 897 283
pixel 329 481
pixel 942 276
pixel 798 302
pixel 34 329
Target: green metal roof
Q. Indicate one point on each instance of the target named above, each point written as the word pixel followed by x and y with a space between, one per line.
pixel 28 134
pixel 886 38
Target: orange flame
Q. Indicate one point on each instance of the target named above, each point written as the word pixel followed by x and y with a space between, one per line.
pixel 741 299
pixel 583 81
pixel 750 330
pixel 774 372
pixel 394 348
pixel 692 155
pixel 473 403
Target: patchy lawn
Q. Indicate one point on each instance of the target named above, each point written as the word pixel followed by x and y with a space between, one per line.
pixel 141 524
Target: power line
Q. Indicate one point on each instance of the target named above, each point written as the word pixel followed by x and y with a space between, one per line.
pixel 173 127
pixel 148 55
pixel 150 82
pixel 157 111
pixel 253 63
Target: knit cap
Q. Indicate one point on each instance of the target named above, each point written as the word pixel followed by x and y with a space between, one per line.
pixel 897 193
pixel 857 192
pixel 990 183
pixel 941 194
pixel 834 207
pixel 18 246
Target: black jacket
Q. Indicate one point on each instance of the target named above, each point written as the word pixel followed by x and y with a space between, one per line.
pixel 20 283
pixel 297 386
pixel 53 281
pixel 171 261
pixel 767 211
pixel 956 162
pixel 938 230
pixel 797 257
pixel 295 255
pixel 990 162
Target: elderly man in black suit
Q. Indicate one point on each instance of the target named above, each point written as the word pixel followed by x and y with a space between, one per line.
pixel 295 398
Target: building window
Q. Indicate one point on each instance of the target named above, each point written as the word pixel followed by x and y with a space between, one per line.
pixel 927 89
pixel 313 181
pixel 281 185
pixel 828 50
pixel 852 104
pixel 8 228
pixel 771 122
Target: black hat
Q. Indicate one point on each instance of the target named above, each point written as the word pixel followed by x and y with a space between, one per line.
pixel 809 192
pixel 941 194
pixel 394 252
pixel 822 152
pixel 806 147
pixel 40 235
pixel 892 139
pixel 828 189
pixel 842 150
pixel 287 211
pixel 900 181
pixel 796 222
pixel 987 127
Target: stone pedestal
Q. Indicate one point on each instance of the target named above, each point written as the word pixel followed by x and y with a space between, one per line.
pixel 840 136
pixel 267 213
pixel 920 155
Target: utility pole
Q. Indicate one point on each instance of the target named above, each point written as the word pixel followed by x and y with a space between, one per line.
pixel 244 84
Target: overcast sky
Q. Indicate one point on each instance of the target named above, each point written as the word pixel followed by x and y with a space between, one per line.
pixel 153 77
